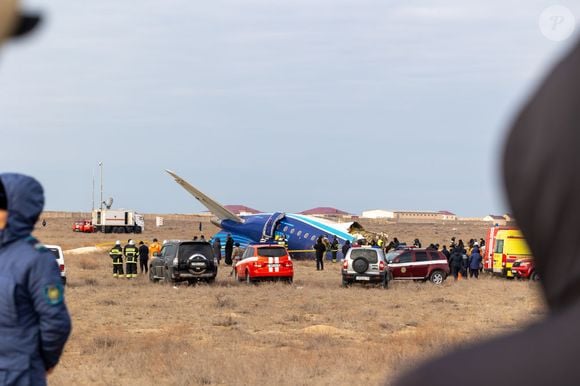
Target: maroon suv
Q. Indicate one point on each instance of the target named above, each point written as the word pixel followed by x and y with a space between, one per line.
pixel 418 264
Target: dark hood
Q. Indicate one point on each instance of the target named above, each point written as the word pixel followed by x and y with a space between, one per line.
pixel 25 199
pixel 542 178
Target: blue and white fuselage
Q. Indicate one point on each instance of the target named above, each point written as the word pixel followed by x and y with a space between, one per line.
pixel 300 231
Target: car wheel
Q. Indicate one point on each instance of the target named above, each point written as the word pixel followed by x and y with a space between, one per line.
pixel 437 277
pixel 534 276
pixel 211 280
pixel 63 278
pixel 360 265
pixel 248 278
pixel 345 282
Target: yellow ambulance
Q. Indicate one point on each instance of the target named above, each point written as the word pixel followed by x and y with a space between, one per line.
pixel 509 246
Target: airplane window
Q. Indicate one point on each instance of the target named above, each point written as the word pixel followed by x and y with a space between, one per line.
pixel 313 238
pixel 306 235
pixel 292 231
pixel 286 228
pixel 299 233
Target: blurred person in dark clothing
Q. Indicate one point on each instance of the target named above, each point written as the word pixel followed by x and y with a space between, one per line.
pixel 540 170
pixel 217 249
pixel 34 320
pixel 334 246
pixel 475 262
pixel 143 257
pixel 456 262
pixel 229 249
pixel 446 252
pixel 345 248
pixel 319 249
pixel 453 244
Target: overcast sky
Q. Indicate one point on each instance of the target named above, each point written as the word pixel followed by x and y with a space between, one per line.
pixel 278 105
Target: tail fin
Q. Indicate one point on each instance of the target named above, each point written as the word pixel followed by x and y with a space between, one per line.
pixel 214 207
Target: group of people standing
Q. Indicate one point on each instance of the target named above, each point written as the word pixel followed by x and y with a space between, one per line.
pixel 465 261
pixel 131 254
pixel 232 250
pixel 125 258
pixel 330 248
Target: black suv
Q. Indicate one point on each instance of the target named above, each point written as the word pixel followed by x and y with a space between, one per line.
pixel 190 261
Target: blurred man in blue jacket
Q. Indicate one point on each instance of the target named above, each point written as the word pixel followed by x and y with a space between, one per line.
pixel 34 321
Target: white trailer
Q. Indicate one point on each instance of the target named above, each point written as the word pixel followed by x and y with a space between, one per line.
pixel 118 221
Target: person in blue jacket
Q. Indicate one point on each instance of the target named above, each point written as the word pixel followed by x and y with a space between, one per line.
pixel 475 261
pixel 34 321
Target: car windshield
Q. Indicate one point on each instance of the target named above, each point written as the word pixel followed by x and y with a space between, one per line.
pixel 271 251
pixel 186 250
pixel 369 254
pixel 55 253
pixel 392 255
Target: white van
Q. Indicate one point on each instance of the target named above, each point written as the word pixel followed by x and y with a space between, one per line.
pixel 57 252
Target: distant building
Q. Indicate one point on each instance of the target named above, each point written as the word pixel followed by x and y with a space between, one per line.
pixel 378 213
pixel 496 219
pixel 424 216
pixel 447 215
pixel 329 213
pixel 509 217
pixel 241 210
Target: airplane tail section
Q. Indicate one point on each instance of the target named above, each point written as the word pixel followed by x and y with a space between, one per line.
pixel 213 206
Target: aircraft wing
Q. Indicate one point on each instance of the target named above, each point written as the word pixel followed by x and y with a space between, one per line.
pixel 213 206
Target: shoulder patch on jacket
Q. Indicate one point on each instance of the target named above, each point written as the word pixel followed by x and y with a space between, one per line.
pixel 54 294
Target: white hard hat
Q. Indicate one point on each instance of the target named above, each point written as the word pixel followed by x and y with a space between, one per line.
pixel 131 242
pixel 118 242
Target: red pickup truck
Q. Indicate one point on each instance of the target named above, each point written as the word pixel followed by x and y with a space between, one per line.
pixel 84 226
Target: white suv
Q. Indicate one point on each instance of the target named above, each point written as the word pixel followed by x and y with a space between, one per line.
pixel 365 265
pixel 57 252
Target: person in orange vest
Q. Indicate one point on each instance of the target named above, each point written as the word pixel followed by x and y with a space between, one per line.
pixel 155 247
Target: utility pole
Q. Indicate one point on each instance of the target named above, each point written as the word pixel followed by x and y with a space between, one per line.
pixel 93 209
pixel 101 167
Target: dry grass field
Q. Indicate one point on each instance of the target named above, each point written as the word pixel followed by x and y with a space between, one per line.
pixel 310 333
